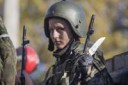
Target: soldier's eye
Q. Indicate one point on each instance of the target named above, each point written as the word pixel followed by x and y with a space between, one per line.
pixel 60 29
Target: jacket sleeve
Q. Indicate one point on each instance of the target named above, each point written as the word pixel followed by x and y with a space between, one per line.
pixel 9 64
pixel 8 57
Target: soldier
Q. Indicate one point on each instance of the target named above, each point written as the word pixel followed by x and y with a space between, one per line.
pixel 7 57
pixel 64 25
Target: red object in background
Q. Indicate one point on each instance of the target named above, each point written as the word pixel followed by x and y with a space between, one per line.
pixel 32 58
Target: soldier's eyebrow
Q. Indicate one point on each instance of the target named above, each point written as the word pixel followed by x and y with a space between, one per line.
pixel 59 25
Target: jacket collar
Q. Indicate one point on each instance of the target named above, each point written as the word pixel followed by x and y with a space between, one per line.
pixel 65 52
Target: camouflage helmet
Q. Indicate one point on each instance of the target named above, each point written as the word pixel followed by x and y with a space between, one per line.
pixel 70 12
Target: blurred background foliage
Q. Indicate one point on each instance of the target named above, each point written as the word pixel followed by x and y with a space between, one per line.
pixel 111 21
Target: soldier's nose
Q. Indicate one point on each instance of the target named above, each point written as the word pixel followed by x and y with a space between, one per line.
pixel 55 34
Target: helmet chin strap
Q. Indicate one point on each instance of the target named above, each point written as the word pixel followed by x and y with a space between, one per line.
pixel 50 45
pixel 4 35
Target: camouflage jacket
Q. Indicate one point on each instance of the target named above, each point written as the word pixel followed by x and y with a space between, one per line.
pixel 73 65
pixel 8 58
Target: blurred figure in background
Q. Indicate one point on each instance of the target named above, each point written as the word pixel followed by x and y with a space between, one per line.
pixel 7 57
pixel 34 69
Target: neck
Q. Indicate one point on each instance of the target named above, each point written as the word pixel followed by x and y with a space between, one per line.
pixel 64 53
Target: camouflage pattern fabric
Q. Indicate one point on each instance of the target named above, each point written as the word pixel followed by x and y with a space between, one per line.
pixel 7 58
pixel 72 66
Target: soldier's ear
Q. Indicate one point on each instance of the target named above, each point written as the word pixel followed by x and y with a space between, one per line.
pixel 50 45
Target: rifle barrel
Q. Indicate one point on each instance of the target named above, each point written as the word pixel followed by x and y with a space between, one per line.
pixel 24 42
pixel 89 33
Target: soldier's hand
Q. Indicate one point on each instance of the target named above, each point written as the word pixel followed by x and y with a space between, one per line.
pixel 85 64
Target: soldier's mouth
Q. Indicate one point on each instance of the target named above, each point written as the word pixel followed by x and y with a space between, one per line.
pixel 57 42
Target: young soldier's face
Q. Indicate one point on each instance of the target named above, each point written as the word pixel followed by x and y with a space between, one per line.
pixel 60 32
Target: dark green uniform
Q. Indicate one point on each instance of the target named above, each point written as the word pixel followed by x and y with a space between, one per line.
pixel 72 65
pixel 7 58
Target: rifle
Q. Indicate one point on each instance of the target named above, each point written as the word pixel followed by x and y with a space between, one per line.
pixel 24 42
pixel 89 33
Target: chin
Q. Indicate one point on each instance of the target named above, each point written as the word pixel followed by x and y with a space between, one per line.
pixel 60 47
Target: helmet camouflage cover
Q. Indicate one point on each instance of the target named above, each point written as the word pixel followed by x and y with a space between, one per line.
pixel 70 12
